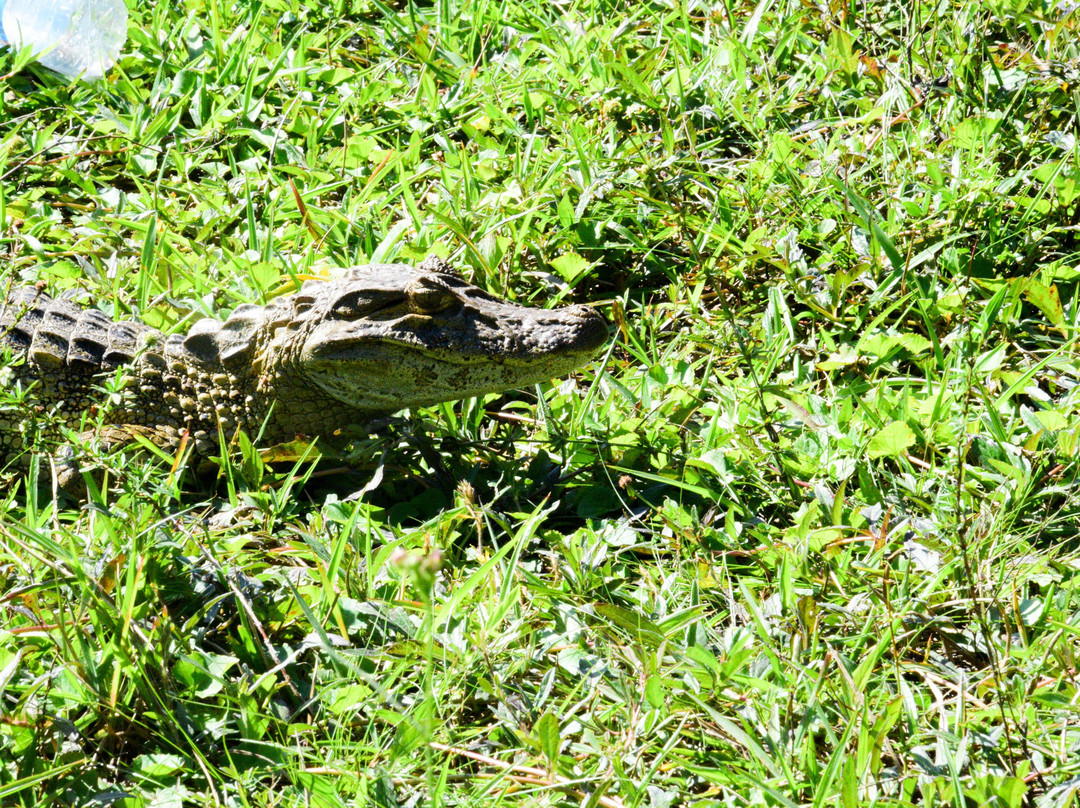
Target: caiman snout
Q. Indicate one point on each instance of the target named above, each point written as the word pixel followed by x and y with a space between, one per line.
pixel 593 332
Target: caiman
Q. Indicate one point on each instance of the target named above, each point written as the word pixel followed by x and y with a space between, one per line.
pixel 335 354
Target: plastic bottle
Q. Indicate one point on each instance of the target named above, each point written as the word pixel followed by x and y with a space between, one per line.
pixel 78 38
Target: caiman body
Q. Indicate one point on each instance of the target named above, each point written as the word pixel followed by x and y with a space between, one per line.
pixel 335 354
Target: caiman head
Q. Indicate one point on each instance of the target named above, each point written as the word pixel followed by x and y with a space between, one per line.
pixel 389 336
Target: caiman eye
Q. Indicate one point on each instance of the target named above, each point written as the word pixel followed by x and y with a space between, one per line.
pixel 363 303
pixel 429 299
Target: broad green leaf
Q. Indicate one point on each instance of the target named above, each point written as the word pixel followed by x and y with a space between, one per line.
pixel 654 691
pixel 547 733
pixel 1052 420
pixel 159 764
pixel 1046 299
pixel 892 440
pixel 973 133
pixel 884 344
pixel 570 266
pixel 641 628
pixel 838 359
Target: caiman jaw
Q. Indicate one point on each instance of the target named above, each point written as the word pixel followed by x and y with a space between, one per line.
pixel 464 343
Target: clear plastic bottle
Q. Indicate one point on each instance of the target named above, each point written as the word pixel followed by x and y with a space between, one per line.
pixel 78 38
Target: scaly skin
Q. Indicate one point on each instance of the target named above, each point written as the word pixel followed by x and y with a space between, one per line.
pixel 337 353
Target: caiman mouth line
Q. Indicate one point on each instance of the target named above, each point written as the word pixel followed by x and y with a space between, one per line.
pixel 430 355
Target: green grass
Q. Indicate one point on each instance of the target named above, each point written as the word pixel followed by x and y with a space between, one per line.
pixel 806 536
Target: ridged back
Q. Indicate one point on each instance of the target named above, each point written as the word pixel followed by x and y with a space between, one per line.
pixel 57 333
